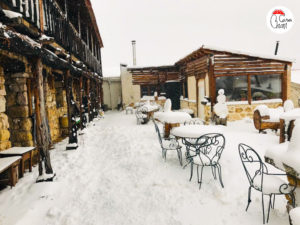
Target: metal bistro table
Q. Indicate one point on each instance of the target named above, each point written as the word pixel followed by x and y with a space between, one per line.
pixel 171 120
pixel 195 131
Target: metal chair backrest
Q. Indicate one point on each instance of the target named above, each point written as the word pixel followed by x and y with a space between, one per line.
pixel 253 165
pixel 158 133
pixel 211 147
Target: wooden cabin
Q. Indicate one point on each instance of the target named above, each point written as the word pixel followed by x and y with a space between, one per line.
pixel 248 80
pixel 50 58
pixel 142 82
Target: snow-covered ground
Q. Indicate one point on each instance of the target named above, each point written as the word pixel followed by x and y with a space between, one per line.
pixel 118 177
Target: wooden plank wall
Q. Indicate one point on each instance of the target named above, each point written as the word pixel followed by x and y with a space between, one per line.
pixel 197 67
pixel 235 65
pixel 147 77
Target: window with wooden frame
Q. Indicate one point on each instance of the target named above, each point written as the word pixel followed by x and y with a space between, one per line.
pixel 250 87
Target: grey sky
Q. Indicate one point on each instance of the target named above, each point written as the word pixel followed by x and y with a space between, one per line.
pixel 167 30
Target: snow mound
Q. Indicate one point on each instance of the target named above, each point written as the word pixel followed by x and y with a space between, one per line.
pixel 168 105
pixel 263 110
pixel 295 216
pixel 288 105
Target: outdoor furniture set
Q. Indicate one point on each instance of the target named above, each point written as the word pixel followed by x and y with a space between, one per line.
pixel 13 162
pixel 204 145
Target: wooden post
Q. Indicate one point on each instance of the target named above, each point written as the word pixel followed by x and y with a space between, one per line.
pixel 249 89
pixel 89 98
pixel 197 96
pixel 68 87
pixel 284 84
pixel 41 15
pixel 80 99
pixel 212 83
pixel 42 131
pixel 29 93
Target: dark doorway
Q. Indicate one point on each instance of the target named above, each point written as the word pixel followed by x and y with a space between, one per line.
pixel 173 92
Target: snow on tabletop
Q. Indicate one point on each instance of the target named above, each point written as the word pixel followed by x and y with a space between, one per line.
pixel 288 105
pixel 292 156
pixel 271 184
pixel 195 131
pixel 17 150
pixel 276 153
pixel 172 117
pixel 11 14
pixel 7 161
pixel 295 216
pixel 291 115
pixel 150 107
pixel 275 113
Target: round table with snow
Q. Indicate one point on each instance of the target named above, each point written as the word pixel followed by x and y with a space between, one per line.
pixel 287 119
pixel 195 131
pixel 171 119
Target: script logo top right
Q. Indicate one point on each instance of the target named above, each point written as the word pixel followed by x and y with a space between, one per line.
pixel 280 19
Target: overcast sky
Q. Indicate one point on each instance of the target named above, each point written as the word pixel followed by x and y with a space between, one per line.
pixel 168 30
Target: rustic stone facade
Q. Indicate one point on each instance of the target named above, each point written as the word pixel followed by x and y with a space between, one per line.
pixel 295 93
pixel 52 114
pixel 239 111
pixel 19 119
pixel 188 104
pixel 4 125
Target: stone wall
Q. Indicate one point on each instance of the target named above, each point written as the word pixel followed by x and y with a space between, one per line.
pixel 20 122
pixel 52 112
pixel 4 125
pixel 295 93
pixel 189 104
pixel 240 111
pixel 61 107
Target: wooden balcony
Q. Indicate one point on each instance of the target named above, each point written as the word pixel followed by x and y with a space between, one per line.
pixel 58 26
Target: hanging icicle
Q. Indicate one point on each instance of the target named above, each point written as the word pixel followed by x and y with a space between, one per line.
pixel 26 3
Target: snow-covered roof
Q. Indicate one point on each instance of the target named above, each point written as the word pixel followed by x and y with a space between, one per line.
pixel 11 14
pixel 238 52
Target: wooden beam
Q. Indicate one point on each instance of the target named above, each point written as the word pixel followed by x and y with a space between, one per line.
pixel 89 98
pixel 41 15
pixel 212 82
pixel 249 89
pixel 42 132
pixel 284 84
pixel 80 100
pixel 68 88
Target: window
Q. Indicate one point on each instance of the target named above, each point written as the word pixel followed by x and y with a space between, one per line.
pixel 235 87
pixel 262 87
pixel 265 87
pixel 148 90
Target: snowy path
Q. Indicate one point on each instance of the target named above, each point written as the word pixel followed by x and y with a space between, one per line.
pixel 117 176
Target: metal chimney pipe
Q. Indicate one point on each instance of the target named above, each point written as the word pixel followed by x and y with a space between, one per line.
pixel 134 52
pixel 276 48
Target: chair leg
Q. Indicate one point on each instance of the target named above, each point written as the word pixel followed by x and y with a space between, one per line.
pixel 273 205
pixel 201 174
pixel 249 197
pixel 213 170
pixel 269 208
pixel 293 199
pixel 191 171
pixel 263 207
pixel 220 174
pixel 179 156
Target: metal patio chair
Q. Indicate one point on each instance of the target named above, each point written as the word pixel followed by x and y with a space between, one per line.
pixel 261 180
pixel 168 144
pixel 141 115
pixel 206 151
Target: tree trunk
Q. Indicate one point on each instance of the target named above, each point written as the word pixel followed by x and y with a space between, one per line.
pixel 43 134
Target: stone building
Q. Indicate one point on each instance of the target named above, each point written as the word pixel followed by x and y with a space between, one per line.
pixel 53 47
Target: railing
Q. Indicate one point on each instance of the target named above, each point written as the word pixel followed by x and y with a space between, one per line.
pixel 28 8
pixel 56 25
